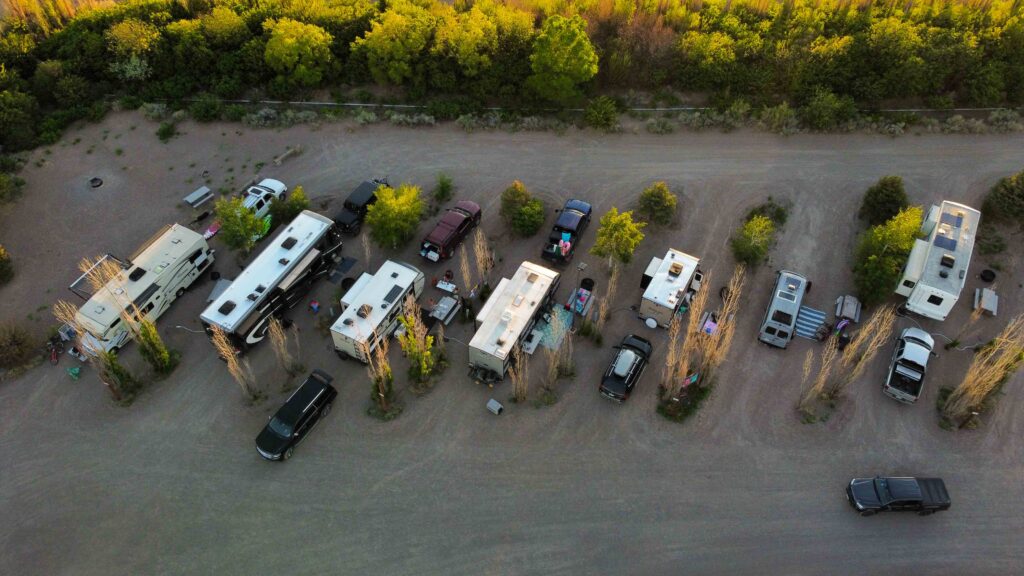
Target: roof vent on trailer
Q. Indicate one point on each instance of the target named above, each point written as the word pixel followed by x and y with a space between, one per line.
pixel 394 274
pixel 135 274
pixel 947 260
pixel 226 307
pixel 289 243
pixel 675 269
pixel 348 322
pixel 364 311
pixel 943 274
pixel 283 261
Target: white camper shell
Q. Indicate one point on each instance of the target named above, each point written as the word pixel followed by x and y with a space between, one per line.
pixel 370 308
pixel 275 280
pixel 937 268
pixel 779 322
pixel 668 283
pixel 508 317
pixel 156 275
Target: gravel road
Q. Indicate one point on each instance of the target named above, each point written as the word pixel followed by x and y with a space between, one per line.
pixel 172 484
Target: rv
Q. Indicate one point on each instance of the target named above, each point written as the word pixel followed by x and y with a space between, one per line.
pixel 156 275
pixel 302 253
pixel 780 318
pixel 668 284
pixel 370 308
pixel 508 316
pixel 937 268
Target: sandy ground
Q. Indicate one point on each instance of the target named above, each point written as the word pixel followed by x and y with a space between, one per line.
pixel 172 484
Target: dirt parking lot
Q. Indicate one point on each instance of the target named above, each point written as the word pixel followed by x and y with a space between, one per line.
pixel 172 484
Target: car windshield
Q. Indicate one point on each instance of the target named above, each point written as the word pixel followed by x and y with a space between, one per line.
pixel 882 490
pixel 280 428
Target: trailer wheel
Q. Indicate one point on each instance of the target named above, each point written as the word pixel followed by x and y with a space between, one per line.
pixel 179 293
pixel 343 355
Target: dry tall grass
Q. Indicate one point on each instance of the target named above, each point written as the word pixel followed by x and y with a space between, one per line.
pixel 991 365
pixel 239 370
pixel 467 272
pixel 604 304
pixel 379 369
pixel 668 372
pixel 66 313
pixel 821 382
pixel 875 333
pixel 716 346
pixel 519 372
pixel 483 255
pixel 280 341
pixel 808 366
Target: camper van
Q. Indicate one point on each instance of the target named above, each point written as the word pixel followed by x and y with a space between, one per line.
pixel 303 252
pixel 508 316
pixel 668 284
pixel 937 267
pixel 156 275
pixel 780 318
pixel 370 308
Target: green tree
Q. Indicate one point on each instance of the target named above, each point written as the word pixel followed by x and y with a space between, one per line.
pixel 224 29
pixel 563 58
pixel 396 214
pixel 883 201
pixel 299 53
pixel 153 349
pixel 239 226
pixel 417 345
pixel 824 110
pixel 513 199
pixel 397 43
pixel 752 241
pixel 528 218
pixel 6 266
pixel 468 38
pixel 18 114
pixel 881 254
pixel 284 211
pixel 132 37
pixel 658 203
pixel 618 236
pixel 1004 203
pixel 601 112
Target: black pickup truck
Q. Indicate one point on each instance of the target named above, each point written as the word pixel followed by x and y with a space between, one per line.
pixel 870 496
pixel 573 219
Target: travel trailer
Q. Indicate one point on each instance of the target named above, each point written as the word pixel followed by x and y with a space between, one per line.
pixel 937 268
pixel 370 308
pixel 779 322
pixel 302 253
pixel 508 317
pixel 669 283
pixel 156 275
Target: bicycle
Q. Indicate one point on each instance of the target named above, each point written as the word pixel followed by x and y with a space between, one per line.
pixel 56 347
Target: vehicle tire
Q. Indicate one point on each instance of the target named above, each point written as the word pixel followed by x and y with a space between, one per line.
pixel 868 513
pixel 179 293
pixel 343 355
pixel 288 453
pixel 325 410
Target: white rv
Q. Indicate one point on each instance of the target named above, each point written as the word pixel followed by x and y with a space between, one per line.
pixel 303 252
pixel 937 268
pixel 668 283
pixel 156 275
pixel 370 308
pixel 508 316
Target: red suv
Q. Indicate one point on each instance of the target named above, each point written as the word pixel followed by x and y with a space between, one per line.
pixel 451 230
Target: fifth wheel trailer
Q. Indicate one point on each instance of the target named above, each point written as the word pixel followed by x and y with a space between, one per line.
pixel 668 284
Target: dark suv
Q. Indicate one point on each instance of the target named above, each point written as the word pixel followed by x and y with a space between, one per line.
pixel 565 235
pixel 626 369
pixel 350 219
pixel 869 496
pixel 300 413
pixel 450 231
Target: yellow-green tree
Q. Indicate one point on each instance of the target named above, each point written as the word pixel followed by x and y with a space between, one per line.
pixel 224 29
pixel 394 217
pixel 132 37
pixel 239 226
pixel 299 53
pixel 562 59
pixel 397 43
pixel 468 38
pixel 881 254
pixel 618 236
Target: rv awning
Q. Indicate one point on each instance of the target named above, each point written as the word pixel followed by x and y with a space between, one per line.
pixel 917 260
pixel 299 269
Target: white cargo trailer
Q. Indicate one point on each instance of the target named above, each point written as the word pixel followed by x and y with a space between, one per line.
pixel 668 283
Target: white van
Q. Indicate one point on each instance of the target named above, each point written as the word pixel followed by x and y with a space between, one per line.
pixel 780 318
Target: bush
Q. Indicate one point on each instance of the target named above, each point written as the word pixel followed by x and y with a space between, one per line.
pixel 513 199
pixel 771 209
pixel 155 111
pixel 824 110
pixel 660 126
pixel 284 211
pixel 883 201
pixel 881 253
pixel 206 109
pixel 10 187
pixel 166 131
pixel 235 112
pixel 445 189
pixel 6 266
pixel 602 113
pixel 529 218
pixel 411 120
pixel 1005 202
pixel 364 117
pixel 658 203
pixel 130 102
pixel 16 346
pixel 780 119
pixel 751 243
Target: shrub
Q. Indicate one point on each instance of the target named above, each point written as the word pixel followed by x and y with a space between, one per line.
pixel 780 119
pixel 6 266
pixel 990 242
pixel 445 189
pixel 602 113
pixel 751 243
pixel 529 218
pixel 774 211
pixel 166 131
pixel 411 120
pixel 206 109
pixel 10 187
pixel 824 110
pixel 235 112
pixel 364 117
pixel 660 126
pixel 881 254
pixel 155 110
pixel 512 199
pixel 658 203
pixel 883 201
pixel 1005 202
pixel 284 211
pixel 16 345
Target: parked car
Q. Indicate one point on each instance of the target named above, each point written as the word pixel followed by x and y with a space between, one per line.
pixel 627 367
pixel 258 197
pixel 299 414
pixel 565 235
pixel 870 496
pixel 450 231
pixel 908 366
pixel 353 211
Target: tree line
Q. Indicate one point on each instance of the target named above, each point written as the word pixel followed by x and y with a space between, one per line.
pixel 61 61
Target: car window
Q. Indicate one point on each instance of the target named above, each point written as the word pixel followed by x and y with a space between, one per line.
pixel 769 331
pixel 259 205
pixel 783 334
pixel 279 427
